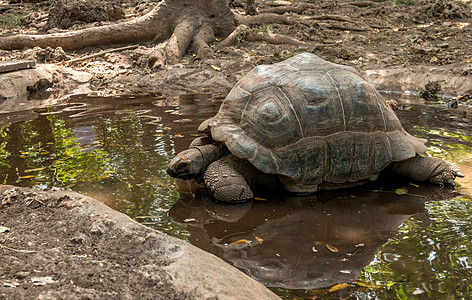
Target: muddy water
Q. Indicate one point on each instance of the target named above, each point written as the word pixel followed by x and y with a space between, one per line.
pixel 390 239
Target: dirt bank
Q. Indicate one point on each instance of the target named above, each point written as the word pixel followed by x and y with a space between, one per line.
pixel 62 245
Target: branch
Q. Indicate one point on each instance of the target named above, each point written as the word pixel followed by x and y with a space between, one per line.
pixel 69 62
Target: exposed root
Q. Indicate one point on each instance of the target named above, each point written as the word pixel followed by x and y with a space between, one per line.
pixel 331 17
pixel 180 40
pixel 202 40
pixel 264 18
pixel 361 3
pixel 243 32
pixel 140 29
pixel 298 9
pixel 272 38
pixel 344 27
pixel 234 36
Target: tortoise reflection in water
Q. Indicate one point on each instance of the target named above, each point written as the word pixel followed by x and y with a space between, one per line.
pixel 307 125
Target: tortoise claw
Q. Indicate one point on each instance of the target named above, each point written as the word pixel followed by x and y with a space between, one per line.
pixel 451 183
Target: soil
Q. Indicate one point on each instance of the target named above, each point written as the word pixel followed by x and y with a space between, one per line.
pixel 62 245
pixel 427 37
pixel 53 252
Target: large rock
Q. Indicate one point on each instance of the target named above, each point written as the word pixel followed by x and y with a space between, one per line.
pixel 72 246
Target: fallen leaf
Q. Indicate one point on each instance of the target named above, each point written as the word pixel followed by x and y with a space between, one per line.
pixel 401 191
pixel 216 68
pixel 259 199
pixel 332 248
pixel 38 281
pixel 345 271
pixel 259 240
pixel 4 229
pixel 338 287
pixel 415 185
pixel 34 170
pixel 240 242
pixel 178 135
pixel 26 177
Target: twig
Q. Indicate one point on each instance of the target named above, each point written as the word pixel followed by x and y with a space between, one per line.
pixel 361 3
pixel 331 17
pixel 6 238
pixel 69 62
pixel 37 200
pixel 9 6
pixel 344 27
pixel 17 250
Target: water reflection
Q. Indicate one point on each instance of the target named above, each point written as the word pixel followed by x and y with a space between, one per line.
pixel 396 246
pixel 303 242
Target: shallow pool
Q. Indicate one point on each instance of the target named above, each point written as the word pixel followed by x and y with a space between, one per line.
pixel 389 239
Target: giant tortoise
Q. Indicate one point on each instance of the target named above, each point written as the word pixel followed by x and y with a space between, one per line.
pixel 306 125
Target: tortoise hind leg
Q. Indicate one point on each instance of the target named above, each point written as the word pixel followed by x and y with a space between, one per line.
pixel 421 168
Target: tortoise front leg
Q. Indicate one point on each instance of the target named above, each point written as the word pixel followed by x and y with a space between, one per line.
pixel 192 162
pixel 226 182
pixel 422 168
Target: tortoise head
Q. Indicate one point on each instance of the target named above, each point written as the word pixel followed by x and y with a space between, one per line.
pixel 187 164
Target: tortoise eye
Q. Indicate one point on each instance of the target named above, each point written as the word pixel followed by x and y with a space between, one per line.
pixel 182 165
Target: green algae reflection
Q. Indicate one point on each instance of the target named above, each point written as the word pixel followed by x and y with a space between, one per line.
pixel 114 159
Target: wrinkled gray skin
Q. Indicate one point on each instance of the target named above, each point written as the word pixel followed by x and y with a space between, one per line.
pixel 231 178
pixel 305 125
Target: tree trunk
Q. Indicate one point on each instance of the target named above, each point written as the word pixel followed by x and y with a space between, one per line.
pixel 168 17
pixel 178 23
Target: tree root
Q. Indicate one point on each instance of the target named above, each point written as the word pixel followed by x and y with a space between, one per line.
pixel 180 40
pixel 264 18
pixel 344 27
pixel 234 37
pixel 176 25
pixel 331 17
pixel 243 32
pixel 272 38
pixel 299 8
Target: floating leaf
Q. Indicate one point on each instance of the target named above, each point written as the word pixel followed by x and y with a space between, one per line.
pixel 182 120
pixel 34 170
pixel 369 285
pixel 338 287
pixel 259 199
pixel 26 177
pixel 240 242
pixel 401 191
pixel 179 135
pixel 166 128
pixel 332 248
pixel 4 229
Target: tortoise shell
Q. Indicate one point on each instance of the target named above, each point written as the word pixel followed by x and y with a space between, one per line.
pixel 312 121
